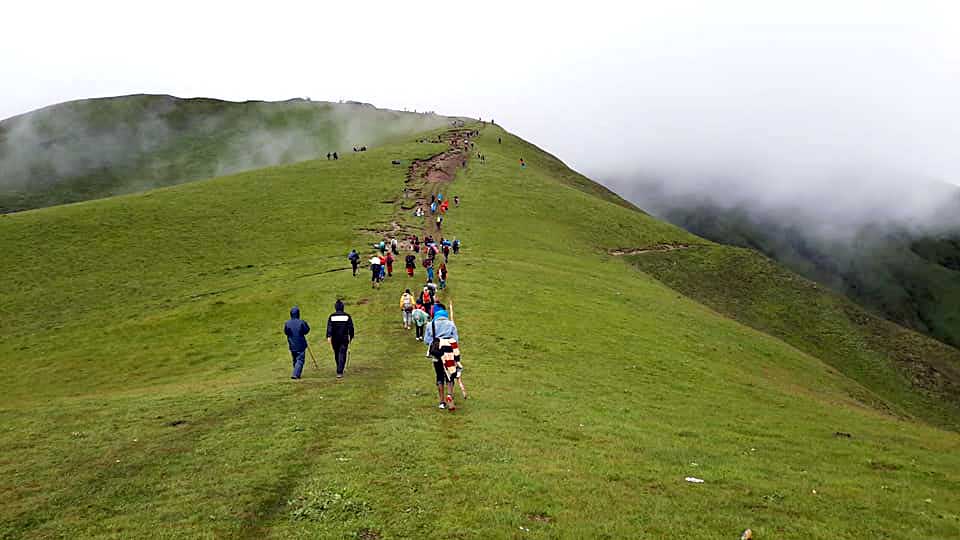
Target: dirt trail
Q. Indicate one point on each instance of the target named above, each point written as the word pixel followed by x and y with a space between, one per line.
pixel 656 248
pixel 426 177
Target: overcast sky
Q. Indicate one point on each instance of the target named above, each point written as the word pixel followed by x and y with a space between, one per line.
pixel 610 87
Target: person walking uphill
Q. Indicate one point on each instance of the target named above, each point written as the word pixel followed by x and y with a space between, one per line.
pixel 411 264
pixel 354 261
pixel 420 319
pixel 442 344
pixel 406 308
pixel 339 335
pixel 296 330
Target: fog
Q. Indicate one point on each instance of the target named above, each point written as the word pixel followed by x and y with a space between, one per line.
pixel 68 141
pixel 837 110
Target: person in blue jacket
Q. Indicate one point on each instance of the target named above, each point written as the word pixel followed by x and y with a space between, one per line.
pixel 296 330
pixel 443 329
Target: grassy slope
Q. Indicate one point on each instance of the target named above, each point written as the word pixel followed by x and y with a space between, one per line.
pixel 95 148
pixel 596 388
pixel 909 277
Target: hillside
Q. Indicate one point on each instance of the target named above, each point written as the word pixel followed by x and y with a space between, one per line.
pixel 96 148
pixel 147 388
pixel 909 275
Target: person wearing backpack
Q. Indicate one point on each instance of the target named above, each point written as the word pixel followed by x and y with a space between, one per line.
pixel 456 246
pixel 375 271
pixel 406 308
pixel 411 263
pixel 389 261
pixel 443 275
pixel 428 266
pixel 420 318
pixel 426 300
pixel 354 258
pixel 442 339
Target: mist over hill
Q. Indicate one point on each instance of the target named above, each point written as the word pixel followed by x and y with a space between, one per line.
pixel 890 245
pixel 100 147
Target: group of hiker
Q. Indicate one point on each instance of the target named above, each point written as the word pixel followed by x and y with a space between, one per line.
pixel 422 311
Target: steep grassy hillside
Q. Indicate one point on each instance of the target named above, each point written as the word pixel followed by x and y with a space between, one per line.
pixel 95 148
pixel 147 389
pixel 909 276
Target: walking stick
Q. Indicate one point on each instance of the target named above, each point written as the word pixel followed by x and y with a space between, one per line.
pixel 312 357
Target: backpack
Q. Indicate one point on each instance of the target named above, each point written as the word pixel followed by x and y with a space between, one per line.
pixel 407 302
pixel 435 344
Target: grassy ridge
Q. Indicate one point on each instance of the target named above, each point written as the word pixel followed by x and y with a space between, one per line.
pixel 916 376
pixel 95 148
pixel 149 395
pixel 907 275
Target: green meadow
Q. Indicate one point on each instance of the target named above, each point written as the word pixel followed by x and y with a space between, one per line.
pixel 147 392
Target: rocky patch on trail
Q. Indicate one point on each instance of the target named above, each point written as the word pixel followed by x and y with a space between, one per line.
pixel 439 168
pixel 620 252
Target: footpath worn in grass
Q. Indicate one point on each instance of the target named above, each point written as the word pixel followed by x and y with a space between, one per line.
pixel 147 389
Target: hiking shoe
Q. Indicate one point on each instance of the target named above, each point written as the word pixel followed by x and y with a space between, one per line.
pixel 339 375
pixel 442 405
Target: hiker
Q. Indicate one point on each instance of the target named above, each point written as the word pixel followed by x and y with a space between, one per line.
pixel 446 250
pixel 426 300
pixel 375 271
pixel 339 335
pixel 416 244
pixel 428 267
pixel 389 261
pixel 382 246
pixel 406 308
pixel 328 155
pixel 433 198
pixel 433 207
pixel 383 267
pixel 354 258
pixel 443 275
pixel 456 200
pixel 439 197
pixel 296 330
pixel 411 264
pixel 432 291
pixel 443 346
pixel 499 140
pixel 523 164
pixel 444 207
pixel 420 318
pixel 335 156
pixel 395 246
pixel 439 222
pixel 456 246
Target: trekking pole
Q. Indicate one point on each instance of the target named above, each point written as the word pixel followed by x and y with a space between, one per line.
pixel 314 358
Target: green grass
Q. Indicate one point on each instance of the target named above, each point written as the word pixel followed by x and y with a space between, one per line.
pixel 88 149
pixel 909 275
pixel 147 392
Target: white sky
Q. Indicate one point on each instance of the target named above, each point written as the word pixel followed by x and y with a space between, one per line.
pixel 607 86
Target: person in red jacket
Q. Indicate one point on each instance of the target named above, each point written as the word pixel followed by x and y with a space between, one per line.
pixel 390 260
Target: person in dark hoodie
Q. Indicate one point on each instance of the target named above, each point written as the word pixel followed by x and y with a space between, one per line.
pixel 339 335
pixel 296 330
pixel 354 258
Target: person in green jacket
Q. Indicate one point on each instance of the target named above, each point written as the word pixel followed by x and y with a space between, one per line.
pixel 420 319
